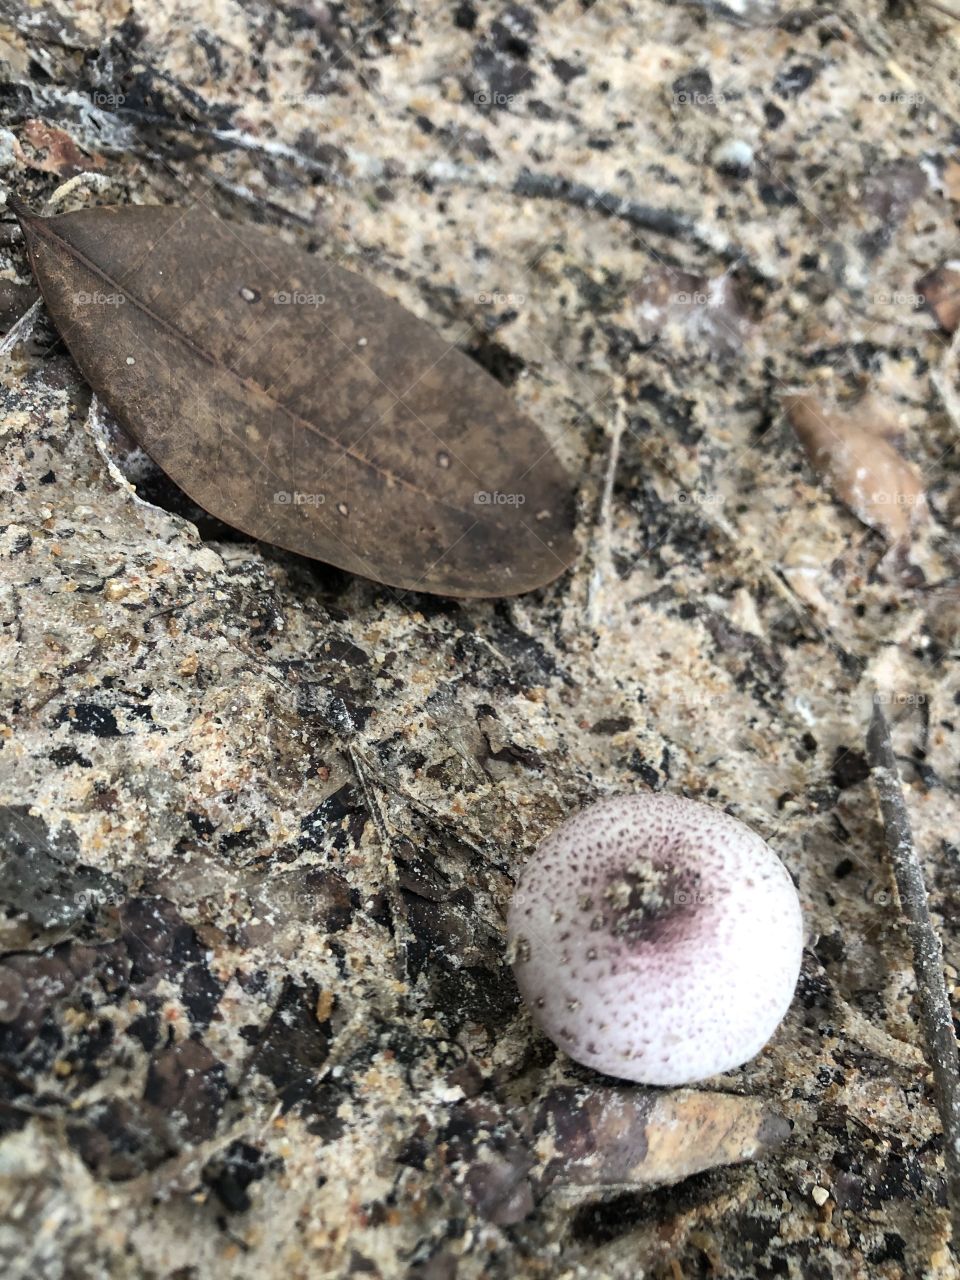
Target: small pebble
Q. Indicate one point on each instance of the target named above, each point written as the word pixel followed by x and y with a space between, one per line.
pixel 9 149
pixel 733 156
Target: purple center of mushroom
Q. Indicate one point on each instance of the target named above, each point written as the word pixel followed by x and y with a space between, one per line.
pixel 647 902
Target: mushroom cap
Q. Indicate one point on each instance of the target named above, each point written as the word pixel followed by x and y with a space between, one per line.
pixel 656 939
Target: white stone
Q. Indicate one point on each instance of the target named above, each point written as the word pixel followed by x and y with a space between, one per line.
pixel 732 153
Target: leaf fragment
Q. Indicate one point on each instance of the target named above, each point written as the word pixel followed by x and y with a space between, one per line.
pixel 639 1137
pixel 940 290
pixel 856 454
pixel 54 151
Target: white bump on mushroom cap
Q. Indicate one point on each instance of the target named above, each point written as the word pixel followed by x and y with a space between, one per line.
pixel 656 939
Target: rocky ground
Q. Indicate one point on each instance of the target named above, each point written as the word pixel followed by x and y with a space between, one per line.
pixel 263 818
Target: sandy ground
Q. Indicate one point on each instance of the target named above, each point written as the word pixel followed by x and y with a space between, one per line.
pixel 263 818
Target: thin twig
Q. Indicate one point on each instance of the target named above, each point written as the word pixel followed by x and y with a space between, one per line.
pixel 936 1020
pixel 666 222
pixel 602 556
pixel 391 878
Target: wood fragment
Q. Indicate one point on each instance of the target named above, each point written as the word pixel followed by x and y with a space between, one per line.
pixel 644 1137
pixel 936 1019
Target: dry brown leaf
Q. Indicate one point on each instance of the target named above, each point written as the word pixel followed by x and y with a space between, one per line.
pixel 296 401
pixel 855 454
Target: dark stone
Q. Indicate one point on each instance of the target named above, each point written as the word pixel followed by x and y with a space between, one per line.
pixel 777 195
pixel 566 71
pixel 615 724
pixel 491 1162
pixel 498 360
pixel 336 823
pixel 39 874
pixel 794 80
pixel 187 1083
pixel 201 993
pixel 159 942
pixel 694 88
pixel 67 755
pixel 465 16
pixel 90 717
pixel 145 1029
pixel 232 1173
pixel 293 1047
pixel 849 768
pixel 117 1139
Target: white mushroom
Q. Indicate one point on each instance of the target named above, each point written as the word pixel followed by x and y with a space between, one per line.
pixel 656 939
